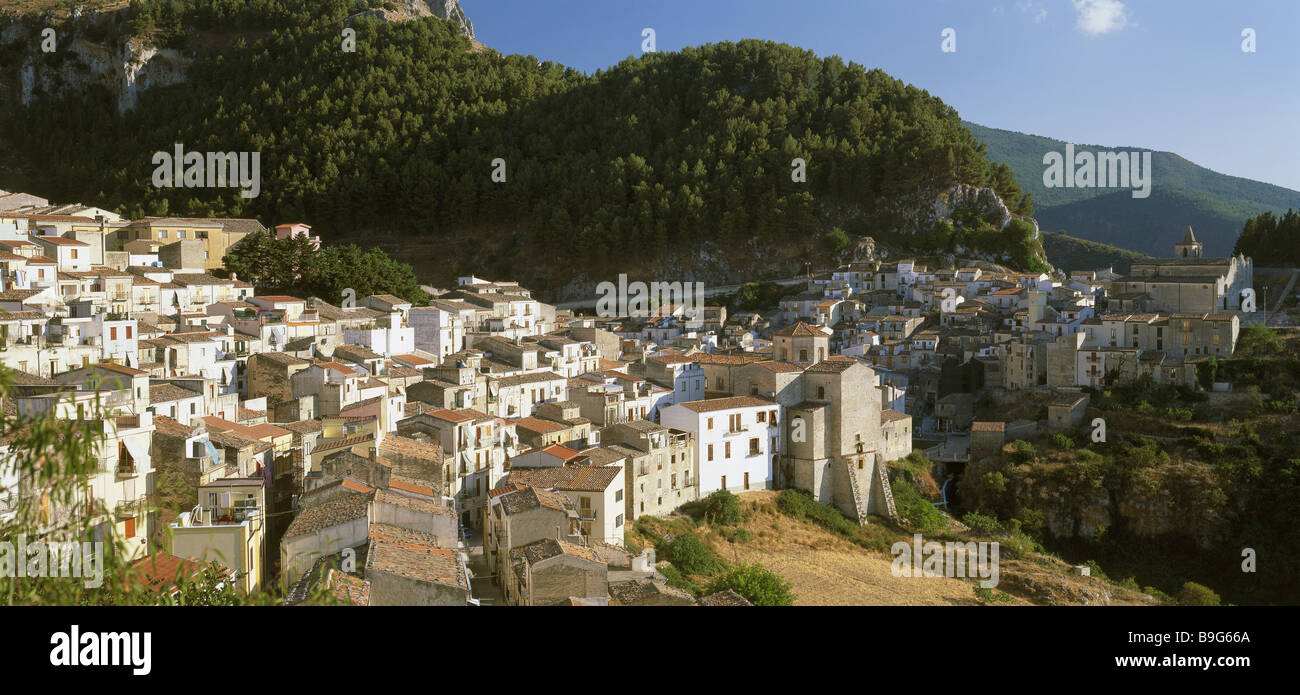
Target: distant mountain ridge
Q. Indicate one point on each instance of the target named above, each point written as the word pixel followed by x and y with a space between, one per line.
pixel 1183 193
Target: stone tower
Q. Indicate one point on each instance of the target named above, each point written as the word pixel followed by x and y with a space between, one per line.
pixel 1189 247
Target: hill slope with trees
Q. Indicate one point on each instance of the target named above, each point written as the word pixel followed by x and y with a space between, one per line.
pixel 658 159
pixel 1182 193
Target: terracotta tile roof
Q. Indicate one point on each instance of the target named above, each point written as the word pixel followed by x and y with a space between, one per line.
pixel 581 478
pixel 398 445
pixel 162 571
pixel 727 403
pixel 414 555
pixel 545 549
pixel 162 393
pixel 343 443
pixel 727 597
pixel 634 592
pixel 799 329
pixel 459 416
pixel 534 424
pixel 891 415
pixel 348 588
pixel 528 498
pixel 337 511
pixel 171 428
pixel 413 503
pixel 832 365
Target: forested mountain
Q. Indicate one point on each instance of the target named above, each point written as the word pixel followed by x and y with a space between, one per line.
pixel 666 157
pixel 1182 193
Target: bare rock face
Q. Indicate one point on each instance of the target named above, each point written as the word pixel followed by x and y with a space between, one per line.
pixel 412 9
pixel 126 68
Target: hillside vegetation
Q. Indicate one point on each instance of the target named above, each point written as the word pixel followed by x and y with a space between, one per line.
pixel 1070 253
pixel 662 153
pixel 1273 239
pixel 1182 193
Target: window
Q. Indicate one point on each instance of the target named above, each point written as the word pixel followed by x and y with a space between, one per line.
pixel 128 332
pixel 726 447
pixel 710 452
pixel 618 496
pixel 74 257
pixel 112 333
pixel 753 447
pixel 821 393
pixel 618 520
pixel 762 416
pixel 709 424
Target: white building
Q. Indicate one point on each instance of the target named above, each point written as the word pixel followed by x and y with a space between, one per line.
pixel 735 440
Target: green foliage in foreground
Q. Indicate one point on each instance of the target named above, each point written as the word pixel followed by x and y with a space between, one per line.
pixel 53 458
pixel 761 586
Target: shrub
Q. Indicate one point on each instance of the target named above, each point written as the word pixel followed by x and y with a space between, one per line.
pixel 988 595
pixel 1023 452
pixel 1194 594
pixel 1061 441
pixel 691 556
pixel 1032 521
pixel 982 524
pixel 1157 594
pixel 678 580
pixel 916 510
pixel 739 535
pixel 761 586
pixel 800 505
pixel 722 507
pixel 1094 570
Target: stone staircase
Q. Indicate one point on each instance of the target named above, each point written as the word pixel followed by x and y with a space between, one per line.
pixel 858 502
pixel 882 477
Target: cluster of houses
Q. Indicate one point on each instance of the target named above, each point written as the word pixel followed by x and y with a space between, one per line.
pixel 376 447
pixel 378 451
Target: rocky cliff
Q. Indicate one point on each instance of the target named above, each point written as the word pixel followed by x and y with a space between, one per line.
pixel 94 48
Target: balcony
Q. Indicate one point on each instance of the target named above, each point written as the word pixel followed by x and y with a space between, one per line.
pixel 587 514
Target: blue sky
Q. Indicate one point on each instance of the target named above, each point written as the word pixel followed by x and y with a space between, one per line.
pixel 1161 74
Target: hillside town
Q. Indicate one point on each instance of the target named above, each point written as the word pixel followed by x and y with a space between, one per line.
pixel 490 448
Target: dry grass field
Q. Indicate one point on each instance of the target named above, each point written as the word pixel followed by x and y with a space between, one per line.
pixel 824 569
